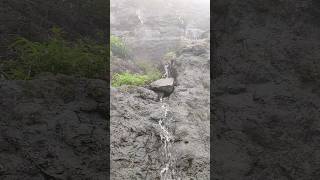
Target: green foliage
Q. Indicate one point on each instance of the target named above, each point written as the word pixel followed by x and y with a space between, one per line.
pixel 127 78
pixel 118 47
pixel 83 58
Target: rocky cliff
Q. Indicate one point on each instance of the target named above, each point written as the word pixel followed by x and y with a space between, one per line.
pixel 136 149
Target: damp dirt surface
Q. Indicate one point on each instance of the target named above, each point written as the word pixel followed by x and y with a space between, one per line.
pixel 266 96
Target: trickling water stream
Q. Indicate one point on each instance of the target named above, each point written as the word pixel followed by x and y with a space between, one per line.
pixel 139 14
pixel 168 171
pixel 193 34
pixel 166 68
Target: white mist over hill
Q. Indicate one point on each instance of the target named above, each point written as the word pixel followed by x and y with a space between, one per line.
pixel 154 27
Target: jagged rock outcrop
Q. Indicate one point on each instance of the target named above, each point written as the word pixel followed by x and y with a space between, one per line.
pixel 54 127
pixel 135 132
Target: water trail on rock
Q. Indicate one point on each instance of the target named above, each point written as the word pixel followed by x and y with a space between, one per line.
pixel 193 34
pixel 166 68
pixel 168 171
pixel 139 14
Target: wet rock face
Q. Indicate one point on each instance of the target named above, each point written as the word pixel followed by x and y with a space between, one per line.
pixel 53 127
pixel 266 92
pixel 135 133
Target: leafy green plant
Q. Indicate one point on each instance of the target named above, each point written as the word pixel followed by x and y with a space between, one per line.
pixel 127 78
pixel 118 47
pixel 83 58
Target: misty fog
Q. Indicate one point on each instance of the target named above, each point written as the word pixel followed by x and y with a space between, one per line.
pixel 152 27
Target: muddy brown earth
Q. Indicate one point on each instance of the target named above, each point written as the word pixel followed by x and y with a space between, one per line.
pixel 265 97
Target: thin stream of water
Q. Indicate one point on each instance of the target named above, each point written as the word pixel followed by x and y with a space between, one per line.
pixel 166 68
pixel 139 14
pixel 193 34
pixel 168 171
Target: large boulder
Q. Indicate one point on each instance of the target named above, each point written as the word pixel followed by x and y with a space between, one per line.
pixel 163 85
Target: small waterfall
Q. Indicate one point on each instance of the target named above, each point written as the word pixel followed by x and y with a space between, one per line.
pixel 193 34
pixel 139 14
pixel 178 14
pixel 166 68
pixel 168 171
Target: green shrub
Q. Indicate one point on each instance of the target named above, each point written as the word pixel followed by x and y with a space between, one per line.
pixel 83 58
pixel 118 47
pixel 127 78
